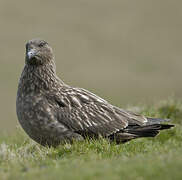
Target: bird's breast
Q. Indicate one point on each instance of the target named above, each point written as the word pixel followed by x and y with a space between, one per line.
pixel 33 112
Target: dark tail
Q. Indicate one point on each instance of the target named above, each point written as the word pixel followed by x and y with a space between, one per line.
pixel 133 132
pixel 148 130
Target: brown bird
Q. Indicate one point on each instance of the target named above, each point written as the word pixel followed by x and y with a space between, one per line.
pixel 52 113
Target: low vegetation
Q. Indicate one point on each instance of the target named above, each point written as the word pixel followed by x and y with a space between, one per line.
pixel 158 158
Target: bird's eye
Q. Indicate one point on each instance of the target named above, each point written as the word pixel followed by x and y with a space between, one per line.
pixel 42 44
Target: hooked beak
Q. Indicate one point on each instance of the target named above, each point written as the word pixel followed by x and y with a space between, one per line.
pixel 31 54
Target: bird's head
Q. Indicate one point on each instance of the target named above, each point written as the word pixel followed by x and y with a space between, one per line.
pixel 38 52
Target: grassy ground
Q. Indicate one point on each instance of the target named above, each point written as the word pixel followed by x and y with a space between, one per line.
pixel 158 158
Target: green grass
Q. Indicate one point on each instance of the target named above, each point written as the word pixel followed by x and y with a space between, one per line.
pixel 158 158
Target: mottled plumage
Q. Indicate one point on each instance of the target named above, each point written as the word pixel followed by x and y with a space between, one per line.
pixel 51 112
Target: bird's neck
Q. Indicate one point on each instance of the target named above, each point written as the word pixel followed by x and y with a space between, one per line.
pixel 39 78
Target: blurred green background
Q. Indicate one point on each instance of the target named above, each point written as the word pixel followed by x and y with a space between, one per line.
pixel 128 52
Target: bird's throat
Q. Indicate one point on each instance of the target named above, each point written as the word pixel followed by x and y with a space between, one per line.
pixel 38 78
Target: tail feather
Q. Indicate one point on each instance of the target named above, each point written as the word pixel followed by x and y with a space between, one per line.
pixel 149 127
pixel 133 132
pixel 148 130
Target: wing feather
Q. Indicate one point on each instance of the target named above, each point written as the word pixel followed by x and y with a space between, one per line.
pixel 84 112
pixel 88 113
